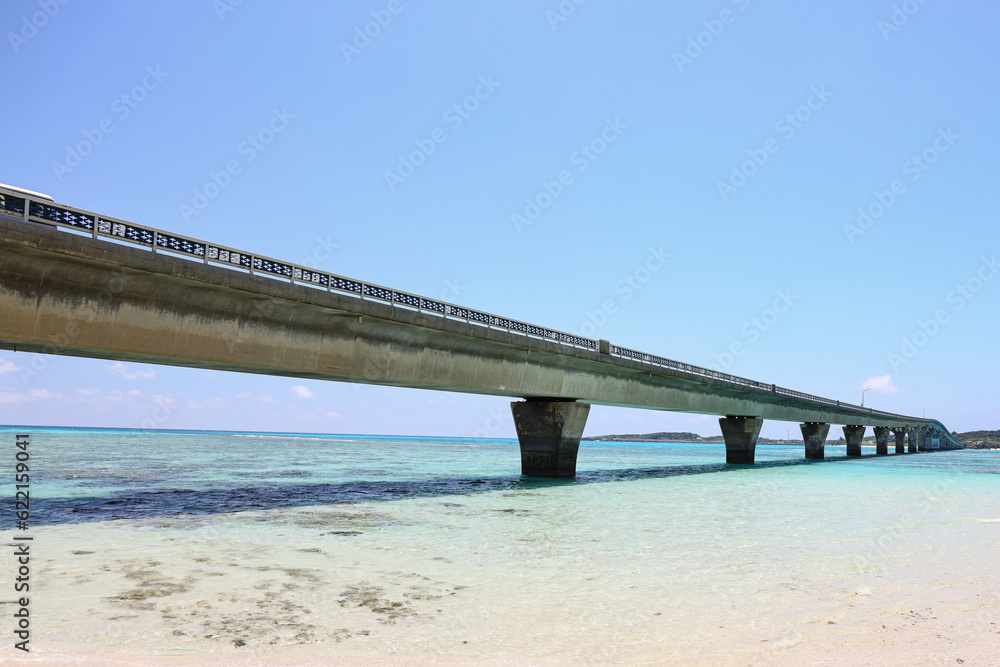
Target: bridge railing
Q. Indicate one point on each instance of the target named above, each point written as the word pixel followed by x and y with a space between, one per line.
pixel 157 240
pixel 32 209
pixel 690 369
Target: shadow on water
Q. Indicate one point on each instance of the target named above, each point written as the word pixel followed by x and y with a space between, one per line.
pixel 143 504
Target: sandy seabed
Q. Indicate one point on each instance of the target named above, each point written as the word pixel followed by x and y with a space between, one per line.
pixel 852 563
pixel 208 599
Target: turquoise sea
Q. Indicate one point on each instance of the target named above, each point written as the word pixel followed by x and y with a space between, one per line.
pixel 344 549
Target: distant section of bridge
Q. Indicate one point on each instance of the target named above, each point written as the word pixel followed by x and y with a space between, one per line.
pixel 123 291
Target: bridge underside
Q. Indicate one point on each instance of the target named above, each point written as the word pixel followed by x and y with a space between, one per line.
pixel 66 294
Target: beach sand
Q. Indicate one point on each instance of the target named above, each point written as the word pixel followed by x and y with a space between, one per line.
pixel 189 592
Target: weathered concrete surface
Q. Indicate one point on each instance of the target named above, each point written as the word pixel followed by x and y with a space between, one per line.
pixel 911 442
pixel 853 435
pixel 549 433
pixel 882 440
pixel 814 436
pixel 900 434
pixel 62 293
pixel 921 439
pixel 740 435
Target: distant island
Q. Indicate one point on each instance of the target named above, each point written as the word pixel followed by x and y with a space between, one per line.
pixel 979 439
pixel 971 439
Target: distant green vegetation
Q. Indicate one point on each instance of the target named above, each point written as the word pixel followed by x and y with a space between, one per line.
pixel 979 439
pixel 663 436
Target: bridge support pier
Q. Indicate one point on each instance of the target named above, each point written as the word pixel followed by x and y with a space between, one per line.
pixel 740 434
pixel 921 439
pixel 549 433
pixel 854 435
pixel 900 434
pixel 882 440
pixel 911 441
pixel 814 434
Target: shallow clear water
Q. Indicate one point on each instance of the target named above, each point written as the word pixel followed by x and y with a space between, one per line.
pixel 191 542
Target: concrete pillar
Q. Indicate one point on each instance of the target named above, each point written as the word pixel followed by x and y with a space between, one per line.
pixel 814 434
pixel 881 440
pixel 549 433
pixel 740 434
pixel 911 441
pixel 921 439
pixel 854 435
pixel 900 434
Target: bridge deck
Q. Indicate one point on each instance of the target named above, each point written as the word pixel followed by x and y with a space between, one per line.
pixel 170 299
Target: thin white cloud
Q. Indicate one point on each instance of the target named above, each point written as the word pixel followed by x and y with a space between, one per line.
pixel 301 391
pixel 122 371
pixel 8 367
pixel 164 400
pixel 89 391
pixel 880 384
pixel 32 395
pixel 333 414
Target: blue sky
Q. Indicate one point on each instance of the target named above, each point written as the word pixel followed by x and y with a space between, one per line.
pixel 815 183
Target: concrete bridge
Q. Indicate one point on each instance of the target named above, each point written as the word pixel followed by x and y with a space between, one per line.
pixel 118 290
